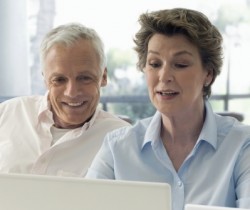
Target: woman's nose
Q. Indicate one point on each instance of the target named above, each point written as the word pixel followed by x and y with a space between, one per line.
pixel 166 74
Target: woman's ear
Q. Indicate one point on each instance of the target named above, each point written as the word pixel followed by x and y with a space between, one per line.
pixel 209 77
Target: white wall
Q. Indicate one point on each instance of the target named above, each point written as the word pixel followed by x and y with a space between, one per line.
pixel 14 68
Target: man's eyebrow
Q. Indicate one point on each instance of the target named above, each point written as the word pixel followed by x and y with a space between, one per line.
pixel 55 74
pixel 88 72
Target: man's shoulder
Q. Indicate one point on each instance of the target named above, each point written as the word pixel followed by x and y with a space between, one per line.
pixel 22 100
pixel 135 131
pixel 111 118
pixel 22 103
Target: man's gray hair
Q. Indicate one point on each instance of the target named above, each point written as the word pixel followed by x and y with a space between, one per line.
pixel 68 35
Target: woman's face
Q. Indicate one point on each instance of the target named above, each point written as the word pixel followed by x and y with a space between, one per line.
pixel 175 75
pixel 73 78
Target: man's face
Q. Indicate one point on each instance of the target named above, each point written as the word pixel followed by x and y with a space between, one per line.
pixel 73 78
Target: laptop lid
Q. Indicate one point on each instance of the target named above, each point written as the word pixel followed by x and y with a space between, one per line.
pixel 37 192
pixel 205 207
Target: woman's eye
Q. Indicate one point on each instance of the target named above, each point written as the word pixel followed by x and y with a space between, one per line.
pixel 154 65
pixel 181 65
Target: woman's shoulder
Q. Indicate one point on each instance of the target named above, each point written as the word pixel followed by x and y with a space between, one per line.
pixel 231 123
pixel 232 129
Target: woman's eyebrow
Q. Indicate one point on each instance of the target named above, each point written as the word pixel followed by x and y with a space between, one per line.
pixel 183 52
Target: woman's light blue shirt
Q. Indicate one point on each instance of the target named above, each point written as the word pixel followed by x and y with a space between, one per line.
pixel 216 172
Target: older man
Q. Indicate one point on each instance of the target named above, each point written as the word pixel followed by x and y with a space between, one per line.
pixel 59 133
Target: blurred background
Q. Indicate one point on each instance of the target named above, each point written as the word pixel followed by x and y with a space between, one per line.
pixel 23 24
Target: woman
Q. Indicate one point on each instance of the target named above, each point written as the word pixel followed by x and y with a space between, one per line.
pixel 203 156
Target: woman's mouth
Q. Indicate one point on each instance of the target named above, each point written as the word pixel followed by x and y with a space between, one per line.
pixel 167 93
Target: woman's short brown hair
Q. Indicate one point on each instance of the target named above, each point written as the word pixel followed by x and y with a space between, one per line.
pixel 192 24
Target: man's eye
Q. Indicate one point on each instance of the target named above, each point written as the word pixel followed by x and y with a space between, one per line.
pixel 84 78
pixel 58 80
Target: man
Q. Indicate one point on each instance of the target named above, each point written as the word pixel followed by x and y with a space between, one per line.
pixel 59 133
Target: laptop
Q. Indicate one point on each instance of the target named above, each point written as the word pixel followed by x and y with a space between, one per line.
pixel 205 207
pixel 38 192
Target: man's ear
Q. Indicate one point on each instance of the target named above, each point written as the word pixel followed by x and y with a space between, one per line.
pixel 104 77
pixel 45 81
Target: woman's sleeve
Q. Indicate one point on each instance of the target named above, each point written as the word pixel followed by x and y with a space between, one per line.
pixel 102 166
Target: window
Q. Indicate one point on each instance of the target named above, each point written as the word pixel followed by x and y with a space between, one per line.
pixel 116 22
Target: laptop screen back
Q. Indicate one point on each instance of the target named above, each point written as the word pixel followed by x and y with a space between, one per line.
pixel 204 207
pixel 35 192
